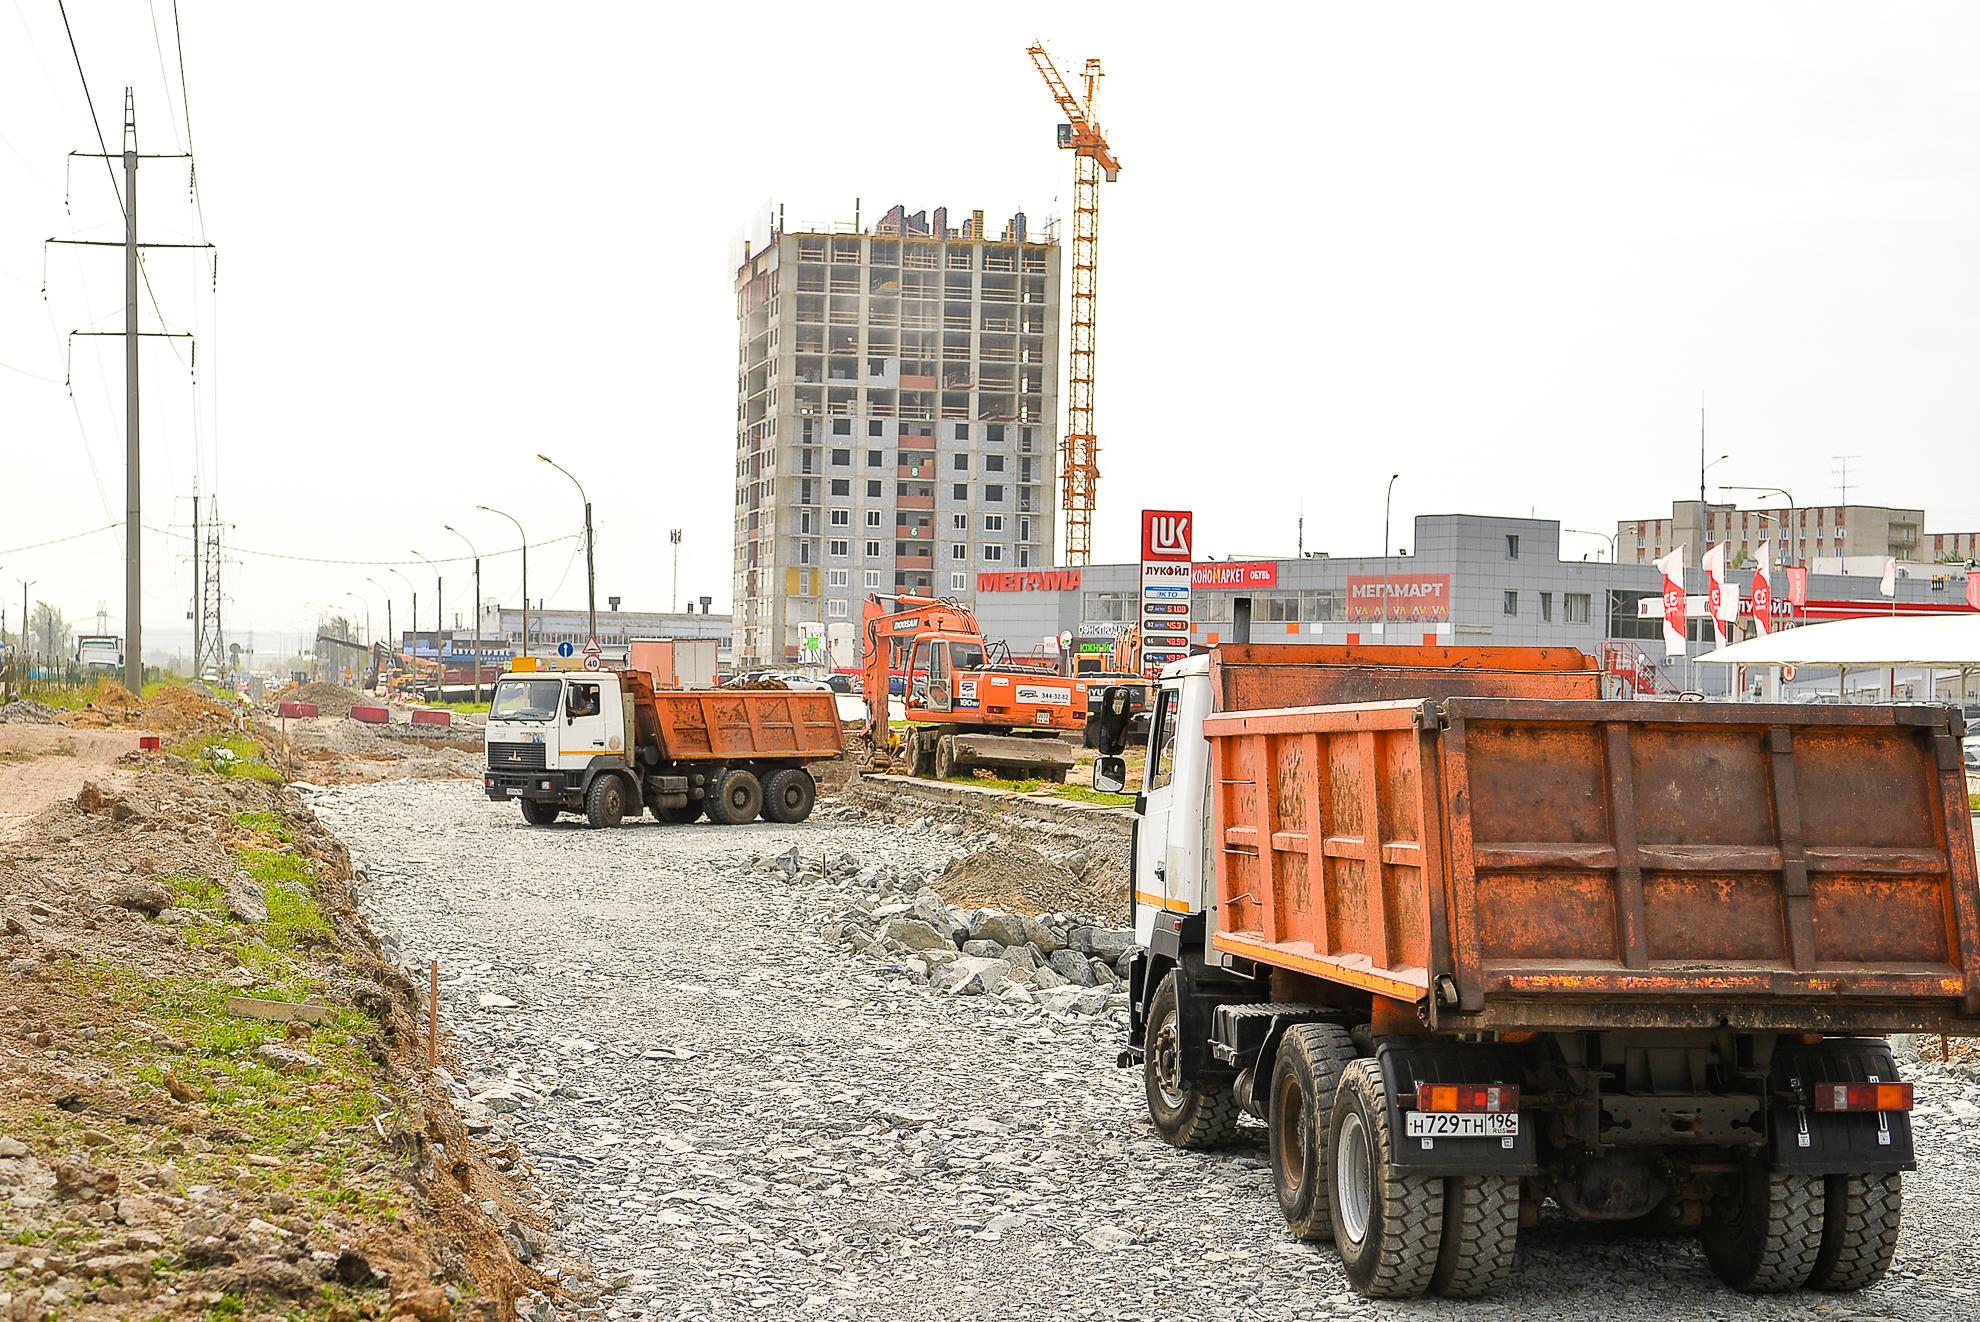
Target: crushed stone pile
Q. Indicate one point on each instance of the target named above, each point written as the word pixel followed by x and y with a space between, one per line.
pixel 1013 876
pixel 27 712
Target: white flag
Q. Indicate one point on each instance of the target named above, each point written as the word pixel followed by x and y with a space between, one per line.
pixel 1672 568
pixel 1889 584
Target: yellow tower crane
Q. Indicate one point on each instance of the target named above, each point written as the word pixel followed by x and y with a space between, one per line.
pixel 1079 448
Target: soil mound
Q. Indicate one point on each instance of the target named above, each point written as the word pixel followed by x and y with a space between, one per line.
pixel 330 699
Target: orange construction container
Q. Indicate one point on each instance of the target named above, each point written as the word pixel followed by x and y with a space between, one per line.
pixel 1586 863
pixel 735 725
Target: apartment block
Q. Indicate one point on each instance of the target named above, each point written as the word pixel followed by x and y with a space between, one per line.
pixel 896 406
pixel 1813 532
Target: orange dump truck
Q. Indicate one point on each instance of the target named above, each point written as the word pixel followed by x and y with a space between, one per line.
pixel 607 744
pixel 1467 937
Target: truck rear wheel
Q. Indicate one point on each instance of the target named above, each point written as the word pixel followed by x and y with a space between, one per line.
pixel 738 798
pixel 1185 1116
pixel 538 814
pixel 945 757
pixel 1859 1230
pixel 789 794
pixel 1386 1226
pixel 1766 1237
pixel 1305 1075
pixel 1481 1231
pixel 605 802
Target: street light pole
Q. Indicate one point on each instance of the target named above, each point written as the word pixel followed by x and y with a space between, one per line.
pixel 1609 537
pixel 477 605
pixel 1388 499
pixel 1789 530
pixel 590 575
pixel 524 537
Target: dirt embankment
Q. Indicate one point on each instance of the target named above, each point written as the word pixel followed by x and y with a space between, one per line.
pixel 214 1099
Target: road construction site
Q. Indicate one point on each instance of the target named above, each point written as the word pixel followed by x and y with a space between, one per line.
pixel 858 1066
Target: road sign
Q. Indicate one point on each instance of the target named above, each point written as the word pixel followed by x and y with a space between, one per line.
pixel 565 649
pixel 591 661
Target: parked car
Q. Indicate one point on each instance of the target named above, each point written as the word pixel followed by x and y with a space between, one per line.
pixel 840 683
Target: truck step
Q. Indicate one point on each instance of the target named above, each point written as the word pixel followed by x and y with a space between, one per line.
pixel 1238 1031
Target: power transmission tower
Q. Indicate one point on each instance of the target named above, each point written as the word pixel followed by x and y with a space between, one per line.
pixel 212 651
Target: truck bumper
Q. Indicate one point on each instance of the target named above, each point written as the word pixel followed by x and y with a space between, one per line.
pixel 540 786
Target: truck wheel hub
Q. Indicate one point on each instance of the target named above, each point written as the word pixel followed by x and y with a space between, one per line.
pixel 1167 1071
pixel 1354 1177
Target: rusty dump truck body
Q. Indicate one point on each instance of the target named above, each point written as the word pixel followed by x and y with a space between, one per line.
pixel 736 725
pixel 1596 864
pixel 1469 938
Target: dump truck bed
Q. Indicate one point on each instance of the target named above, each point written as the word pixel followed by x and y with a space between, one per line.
pixel 739 725
pixel 1544 864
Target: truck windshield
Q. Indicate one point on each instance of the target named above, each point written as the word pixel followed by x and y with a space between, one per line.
pixel 966 656
pixel 525 700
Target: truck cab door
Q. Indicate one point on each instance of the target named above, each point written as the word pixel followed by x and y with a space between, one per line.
pixel 1152 883
pixel 586 725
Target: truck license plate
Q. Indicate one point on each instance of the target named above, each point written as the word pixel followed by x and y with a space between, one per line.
pixel 1447 1124
pixel 1044 716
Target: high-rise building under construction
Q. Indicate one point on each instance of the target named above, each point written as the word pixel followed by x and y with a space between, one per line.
pixel 896 422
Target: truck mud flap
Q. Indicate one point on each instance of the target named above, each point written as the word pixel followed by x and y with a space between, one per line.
pixel 1804 1141
pixel 1407 1062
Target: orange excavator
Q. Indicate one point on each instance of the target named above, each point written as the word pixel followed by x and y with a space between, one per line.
pixel 967 703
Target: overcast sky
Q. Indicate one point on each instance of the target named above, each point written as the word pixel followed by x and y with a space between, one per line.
pixel 1499 249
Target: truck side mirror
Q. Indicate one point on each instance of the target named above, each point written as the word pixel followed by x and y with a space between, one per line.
pixel 1110 775
pixel 1113 720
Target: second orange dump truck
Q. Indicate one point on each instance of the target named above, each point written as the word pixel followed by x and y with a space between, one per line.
pixel 607 744
pixel 1467 937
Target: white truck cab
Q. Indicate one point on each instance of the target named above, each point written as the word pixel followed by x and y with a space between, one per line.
pixel 1174 825
pixel 549 734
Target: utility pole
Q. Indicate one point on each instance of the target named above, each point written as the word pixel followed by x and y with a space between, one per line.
pixel 196 604
pixel 477 606
pixel 133 525
pixel 1388 500
pixel 27 647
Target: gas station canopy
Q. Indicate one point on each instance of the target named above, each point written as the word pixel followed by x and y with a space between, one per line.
pixel 1937 642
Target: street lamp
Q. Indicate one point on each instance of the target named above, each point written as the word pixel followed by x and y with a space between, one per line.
pixel 413 627
pixel 1774 491
pixel 477 605
pixel 1387 500
pixel 1609 537
pixel 439 623
pixel 590 575
pixel 489 509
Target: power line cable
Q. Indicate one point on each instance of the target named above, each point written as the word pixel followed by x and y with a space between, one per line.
pixel 57 541
pixel 399 564
pixel 83 78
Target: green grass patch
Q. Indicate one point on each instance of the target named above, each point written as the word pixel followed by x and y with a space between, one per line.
pixel 1973 803
pixel 464 708
pixel 228 755
pixel 1048 789
pixel 64 697
pixel 269 824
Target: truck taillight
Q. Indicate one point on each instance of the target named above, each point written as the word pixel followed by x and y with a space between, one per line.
pixel 1492 1097
pixel 1863 1097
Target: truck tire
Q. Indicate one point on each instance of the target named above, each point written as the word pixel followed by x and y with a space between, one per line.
pixel 1481 1231
pixel 738 798
pixel 1186 1117
pixel 789 794
pixel 1387 1227
pixel 945 757
pixel 538 814
pixel 1766 1238
pixel 1305 1075
pixel 605 802
pixel 1859 1230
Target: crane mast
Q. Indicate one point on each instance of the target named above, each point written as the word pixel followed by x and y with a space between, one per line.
pixel 1079 447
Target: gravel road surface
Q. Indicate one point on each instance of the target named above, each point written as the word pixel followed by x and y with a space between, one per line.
pixel 732 1119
